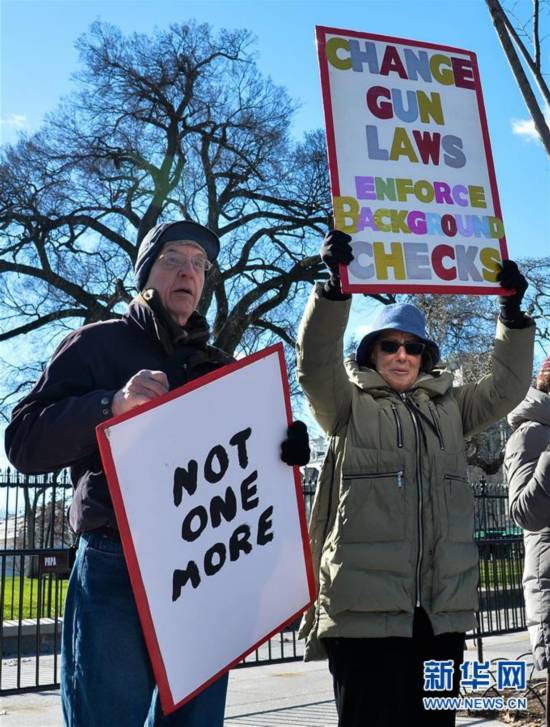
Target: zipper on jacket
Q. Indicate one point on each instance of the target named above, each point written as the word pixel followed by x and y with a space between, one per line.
pixel 437 427
pixel 399 476
pixel 398 426
pixel 403 396
pixel 332 454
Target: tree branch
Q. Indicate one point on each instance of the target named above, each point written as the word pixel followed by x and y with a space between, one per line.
pixel 42 321
pixel 277 330
pixel 504 30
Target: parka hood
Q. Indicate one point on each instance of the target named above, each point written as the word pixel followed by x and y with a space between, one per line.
pixel 534 408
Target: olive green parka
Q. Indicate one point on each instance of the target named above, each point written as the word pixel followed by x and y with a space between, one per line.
pixel 392 525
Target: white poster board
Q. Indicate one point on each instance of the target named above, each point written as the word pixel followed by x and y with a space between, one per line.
pixel 411 167
pixel 211 520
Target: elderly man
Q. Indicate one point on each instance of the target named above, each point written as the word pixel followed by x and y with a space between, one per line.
pixel 527 466
pixel 101 370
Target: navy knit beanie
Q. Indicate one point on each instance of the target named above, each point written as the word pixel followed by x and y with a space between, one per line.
pixel 398 317
pixel 179 231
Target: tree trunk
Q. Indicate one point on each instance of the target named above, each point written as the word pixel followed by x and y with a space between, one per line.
pixel 541 126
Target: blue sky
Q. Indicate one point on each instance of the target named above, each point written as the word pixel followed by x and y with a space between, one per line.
pixel 37 58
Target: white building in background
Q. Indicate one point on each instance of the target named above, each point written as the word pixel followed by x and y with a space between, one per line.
pixel 310 473
pixel 8 532
pixel 8 541
pixel 318 447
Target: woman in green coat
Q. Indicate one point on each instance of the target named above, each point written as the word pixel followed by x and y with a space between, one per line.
pixel 392 524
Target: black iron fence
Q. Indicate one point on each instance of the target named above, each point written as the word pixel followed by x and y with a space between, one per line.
pixel 35 542
pixel 501 553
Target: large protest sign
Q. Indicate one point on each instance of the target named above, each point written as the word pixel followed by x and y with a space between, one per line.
pixel 410 162
pixel 212 522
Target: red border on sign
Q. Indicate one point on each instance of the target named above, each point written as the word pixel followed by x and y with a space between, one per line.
pixel 136 580
pixel 393 287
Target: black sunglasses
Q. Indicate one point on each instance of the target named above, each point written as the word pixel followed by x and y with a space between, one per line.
pixel 412 348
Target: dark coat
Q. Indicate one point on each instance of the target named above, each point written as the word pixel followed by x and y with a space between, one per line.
pixel 54 425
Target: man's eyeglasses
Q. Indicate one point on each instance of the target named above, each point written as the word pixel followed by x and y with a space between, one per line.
pixel 175 261
pixel 412 348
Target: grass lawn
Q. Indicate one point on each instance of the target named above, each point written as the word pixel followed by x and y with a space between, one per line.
pixel 15 590
pixel 501 573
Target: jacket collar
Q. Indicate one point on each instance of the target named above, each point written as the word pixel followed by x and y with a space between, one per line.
pixel 430 385
pixel 147 311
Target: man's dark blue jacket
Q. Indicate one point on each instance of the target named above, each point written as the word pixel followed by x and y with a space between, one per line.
pixel 54 425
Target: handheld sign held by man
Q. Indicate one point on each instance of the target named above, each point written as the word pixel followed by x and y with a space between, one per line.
pixel 212 521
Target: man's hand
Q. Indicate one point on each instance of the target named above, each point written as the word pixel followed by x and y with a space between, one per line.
pixel 295 448
pixel 510 277
pixel 141 388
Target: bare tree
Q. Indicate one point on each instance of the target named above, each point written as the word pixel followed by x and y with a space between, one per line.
pixel 464 327
pixel 537 272
pixel 177 124
pixel 513 39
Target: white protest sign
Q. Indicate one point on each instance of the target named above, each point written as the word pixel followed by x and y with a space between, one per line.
pixel 410 162
pixel 212 522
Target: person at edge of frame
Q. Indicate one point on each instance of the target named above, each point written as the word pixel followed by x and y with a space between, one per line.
pixel 527 469
pixel 98 371
pixel 392 526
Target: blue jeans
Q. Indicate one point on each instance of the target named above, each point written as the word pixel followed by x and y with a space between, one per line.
pixel 106 676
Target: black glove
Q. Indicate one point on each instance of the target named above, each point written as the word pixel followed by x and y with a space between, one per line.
pixel 510 277
pixel 295 448
pixel 335 250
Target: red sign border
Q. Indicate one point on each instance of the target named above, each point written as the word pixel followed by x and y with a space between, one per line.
pixel 166 698
pixel 321 32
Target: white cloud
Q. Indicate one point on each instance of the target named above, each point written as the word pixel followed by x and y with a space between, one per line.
pixel 17 121
pixel 361 331
pixel 526 127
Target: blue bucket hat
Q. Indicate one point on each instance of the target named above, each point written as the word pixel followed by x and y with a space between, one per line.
pixel 178 231
pixel 399 317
